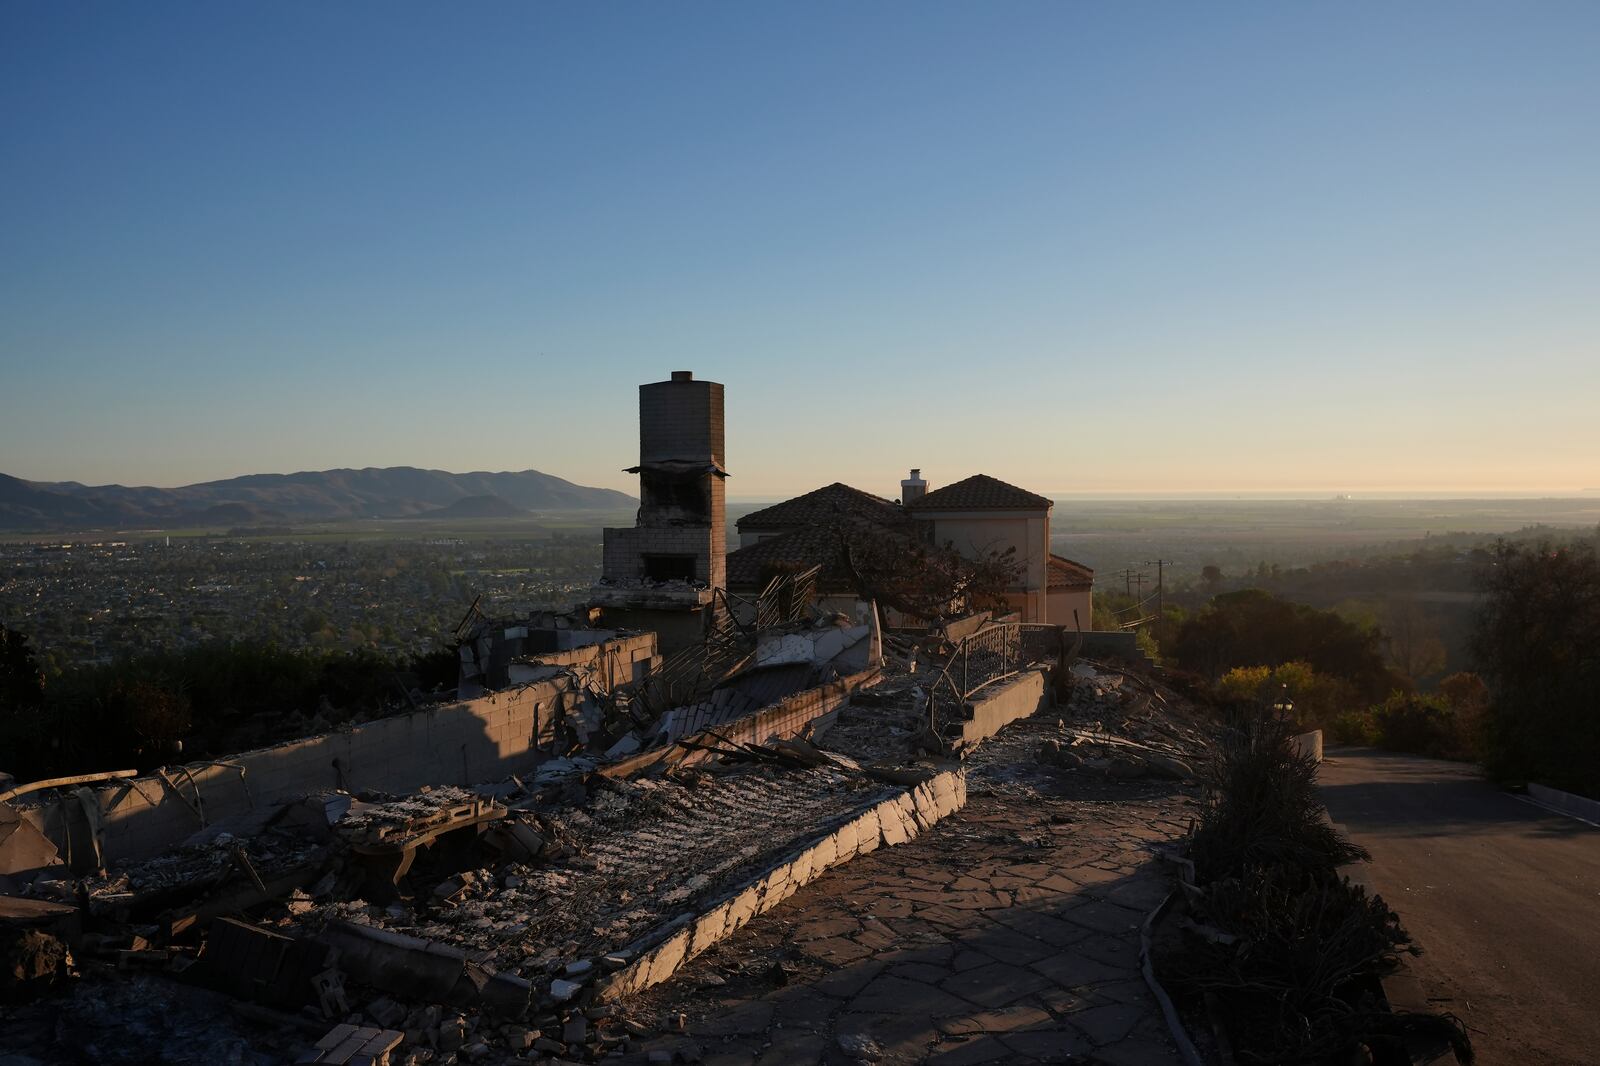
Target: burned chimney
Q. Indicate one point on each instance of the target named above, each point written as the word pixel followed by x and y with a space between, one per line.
pixel 913 488
pixel 681 531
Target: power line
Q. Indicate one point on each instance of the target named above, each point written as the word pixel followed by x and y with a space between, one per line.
pixel 1127 576
pixel 1161 585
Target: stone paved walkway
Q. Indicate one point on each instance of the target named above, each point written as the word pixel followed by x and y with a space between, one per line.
pixel 1009 933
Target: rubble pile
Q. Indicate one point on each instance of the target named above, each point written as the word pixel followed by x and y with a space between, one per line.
pixel 205 863
pixel 471 924
pixel 886 724
pixel 1116 726
pixel 634 855
pixel 480 924
pixel 387 818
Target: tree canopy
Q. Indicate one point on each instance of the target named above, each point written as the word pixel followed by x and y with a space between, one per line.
pixel 1252 627
pixel 1537 645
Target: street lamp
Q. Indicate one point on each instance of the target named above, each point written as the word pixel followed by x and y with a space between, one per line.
pixel 1283 705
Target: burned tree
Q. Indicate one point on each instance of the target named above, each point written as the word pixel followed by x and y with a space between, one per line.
pixel 922 580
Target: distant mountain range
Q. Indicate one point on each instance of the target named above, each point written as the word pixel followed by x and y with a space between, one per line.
pixel 309 496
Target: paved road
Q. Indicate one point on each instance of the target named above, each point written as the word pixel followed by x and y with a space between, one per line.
pixel 1502 896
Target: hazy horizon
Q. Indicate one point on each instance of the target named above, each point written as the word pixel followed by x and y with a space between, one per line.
pixel 1310 494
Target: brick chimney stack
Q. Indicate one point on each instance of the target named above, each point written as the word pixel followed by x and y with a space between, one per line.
pixel 681 532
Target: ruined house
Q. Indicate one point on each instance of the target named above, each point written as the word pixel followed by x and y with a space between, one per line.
pixel 489 874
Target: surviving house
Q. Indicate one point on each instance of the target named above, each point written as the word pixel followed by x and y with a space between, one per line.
pixel 975 517
pixel 983 515
pixel 1070 593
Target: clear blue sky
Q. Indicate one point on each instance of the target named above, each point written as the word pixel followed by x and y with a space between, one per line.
pixel 1085 247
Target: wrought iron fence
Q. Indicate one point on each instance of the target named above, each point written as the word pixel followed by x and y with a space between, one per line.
pixel 994 653
pixel 989 655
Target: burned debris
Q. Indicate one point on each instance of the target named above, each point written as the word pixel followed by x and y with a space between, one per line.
pixel 616 788
pixel 1121 725
pixel 448 918
pixel 486 922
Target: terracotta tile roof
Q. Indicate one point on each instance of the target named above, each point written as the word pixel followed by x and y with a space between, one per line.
pixel 1066 574
pixel 821 506
pixel 980 492
pixel 751 567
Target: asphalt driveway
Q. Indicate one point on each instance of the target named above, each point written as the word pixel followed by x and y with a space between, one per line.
pixel 1503 897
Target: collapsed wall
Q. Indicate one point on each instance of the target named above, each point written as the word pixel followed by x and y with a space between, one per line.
pixel 482 739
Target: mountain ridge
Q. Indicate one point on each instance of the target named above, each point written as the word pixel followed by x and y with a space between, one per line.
pixel 304 496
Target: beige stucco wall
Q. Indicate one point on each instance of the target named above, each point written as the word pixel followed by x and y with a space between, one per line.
pixel 1064 601
pixel 976 533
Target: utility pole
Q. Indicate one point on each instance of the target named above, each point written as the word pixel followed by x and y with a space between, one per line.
pixel 1127 576
pixel 1161 585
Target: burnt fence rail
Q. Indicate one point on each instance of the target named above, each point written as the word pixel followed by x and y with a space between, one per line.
pixel 993 654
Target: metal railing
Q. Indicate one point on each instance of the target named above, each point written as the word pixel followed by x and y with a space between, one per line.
pixel 992 654
pixel 989 655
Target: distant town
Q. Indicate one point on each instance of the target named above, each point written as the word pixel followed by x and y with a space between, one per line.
pixel 88 602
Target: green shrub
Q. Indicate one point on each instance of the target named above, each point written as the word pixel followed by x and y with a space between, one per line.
pixel 1293 979
pixel 1418 725
pixel 1354 727
pixel 1317 698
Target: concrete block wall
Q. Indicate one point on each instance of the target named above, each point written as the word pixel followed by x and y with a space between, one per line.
pixel 614 662
pixel 786 719
pixel 1120 644
pixel 625 547
pixel 619 554
pixel 790 716
pixel 959 629
pixel 717 546
pixel 457 744
pixel 464 743
pixel 680 421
